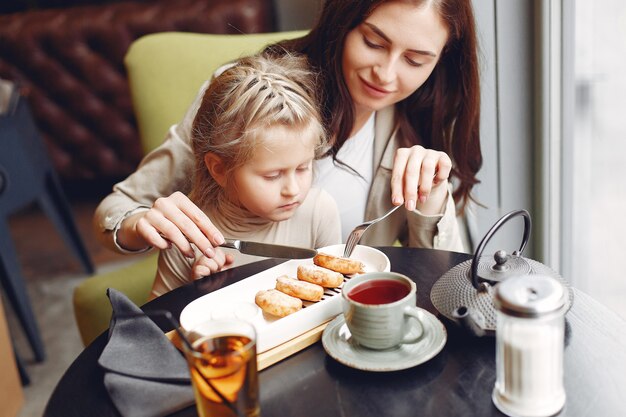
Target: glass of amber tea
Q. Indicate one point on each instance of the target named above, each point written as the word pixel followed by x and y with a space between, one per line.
pixel 223 367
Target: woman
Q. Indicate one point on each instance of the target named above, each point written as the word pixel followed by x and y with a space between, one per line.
pixel 400 87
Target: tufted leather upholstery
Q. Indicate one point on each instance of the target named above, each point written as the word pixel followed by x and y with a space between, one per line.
pixel 69 63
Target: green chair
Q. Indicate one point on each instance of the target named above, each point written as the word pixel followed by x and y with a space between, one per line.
pixel 92 309
pixel 165 72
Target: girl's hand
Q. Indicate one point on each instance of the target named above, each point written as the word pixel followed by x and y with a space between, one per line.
pixel 420 179
pixel 171 220
pixel 205 266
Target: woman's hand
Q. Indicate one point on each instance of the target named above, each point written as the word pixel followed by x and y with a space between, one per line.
pixel 420 179
pixel 171 220
pixel 204 266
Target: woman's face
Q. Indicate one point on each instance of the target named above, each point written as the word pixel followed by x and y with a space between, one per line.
pixel 277 179
pixel 391 54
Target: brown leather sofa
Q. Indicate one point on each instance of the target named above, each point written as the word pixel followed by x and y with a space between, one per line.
pixel 69 63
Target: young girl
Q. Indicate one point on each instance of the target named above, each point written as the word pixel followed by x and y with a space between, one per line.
pixel 254 139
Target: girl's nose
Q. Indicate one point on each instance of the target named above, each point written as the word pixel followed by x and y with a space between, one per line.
pixel 290 186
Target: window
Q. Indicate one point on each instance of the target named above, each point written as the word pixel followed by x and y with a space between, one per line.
pixel 594 150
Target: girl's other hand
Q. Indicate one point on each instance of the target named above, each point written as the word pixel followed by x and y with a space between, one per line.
pixel 204 266
pixel 171 220
pixel 420 179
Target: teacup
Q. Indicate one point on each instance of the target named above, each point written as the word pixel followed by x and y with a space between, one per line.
pixel 378 307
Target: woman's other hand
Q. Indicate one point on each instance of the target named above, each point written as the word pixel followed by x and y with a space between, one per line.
pixel 204 266
pixel 171 220
pixel 420 179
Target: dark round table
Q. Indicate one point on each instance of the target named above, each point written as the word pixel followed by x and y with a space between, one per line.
pixel 456 382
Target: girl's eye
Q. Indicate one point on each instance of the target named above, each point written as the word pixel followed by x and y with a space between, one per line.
pixel 303 168
pixel 371 44
pixel 271 177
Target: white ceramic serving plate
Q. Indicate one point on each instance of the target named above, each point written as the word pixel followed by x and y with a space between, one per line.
pixel 237 300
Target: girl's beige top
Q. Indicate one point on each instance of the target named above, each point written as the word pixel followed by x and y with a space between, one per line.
pixel 315 224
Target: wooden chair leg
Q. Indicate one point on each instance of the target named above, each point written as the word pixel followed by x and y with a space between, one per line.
pixel 13 283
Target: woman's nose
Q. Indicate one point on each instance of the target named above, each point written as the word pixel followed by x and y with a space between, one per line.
pixel 385 71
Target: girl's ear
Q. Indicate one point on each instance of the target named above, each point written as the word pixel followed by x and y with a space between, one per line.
pixel 216 168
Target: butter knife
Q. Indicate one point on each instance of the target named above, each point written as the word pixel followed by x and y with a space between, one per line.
pixel 269 250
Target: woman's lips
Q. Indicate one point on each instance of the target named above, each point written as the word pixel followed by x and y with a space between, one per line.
pixel 373 90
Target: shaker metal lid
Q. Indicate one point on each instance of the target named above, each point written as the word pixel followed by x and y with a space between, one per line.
pixel 530 296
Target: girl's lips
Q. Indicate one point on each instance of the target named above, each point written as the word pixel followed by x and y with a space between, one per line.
pixel 374 90
pixel 290 206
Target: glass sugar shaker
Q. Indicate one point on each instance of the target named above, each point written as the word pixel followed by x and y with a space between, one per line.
pixel 529 346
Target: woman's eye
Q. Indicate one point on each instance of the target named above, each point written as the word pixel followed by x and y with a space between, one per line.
pixel 371 44
pixel 413 63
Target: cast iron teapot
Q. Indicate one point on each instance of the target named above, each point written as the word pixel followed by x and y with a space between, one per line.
pixel 465 293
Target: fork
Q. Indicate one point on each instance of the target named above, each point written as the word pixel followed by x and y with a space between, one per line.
pixel 357 232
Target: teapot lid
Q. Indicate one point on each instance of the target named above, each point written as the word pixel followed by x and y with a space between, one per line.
pixel 501 267
pixel 530 296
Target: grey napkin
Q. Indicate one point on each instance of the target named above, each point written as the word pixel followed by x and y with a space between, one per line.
pixel 145 375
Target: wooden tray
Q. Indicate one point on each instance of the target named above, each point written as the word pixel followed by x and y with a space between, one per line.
pixel 277 353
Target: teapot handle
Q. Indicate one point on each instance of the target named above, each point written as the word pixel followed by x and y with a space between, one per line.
pixel 491 232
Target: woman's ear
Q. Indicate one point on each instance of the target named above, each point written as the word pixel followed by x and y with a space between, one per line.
pixel 216 168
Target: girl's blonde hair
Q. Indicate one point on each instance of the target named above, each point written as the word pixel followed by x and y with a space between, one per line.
pixel 256 93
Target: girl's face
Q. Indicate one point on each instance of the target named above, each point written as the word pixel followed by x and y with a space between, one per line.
pixel 391 54
pixel 277 179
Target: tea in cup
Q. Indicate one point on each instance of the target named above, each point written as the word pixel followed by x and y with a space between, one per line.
pixel 380 311
pixel 223 367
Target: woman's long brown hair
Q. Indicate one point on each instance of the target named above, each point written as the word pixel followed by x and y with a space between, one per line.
pixel 443 114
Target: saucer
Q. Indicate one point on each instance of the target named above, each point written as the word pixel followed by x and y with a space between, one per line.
pixel 339 344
